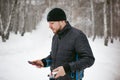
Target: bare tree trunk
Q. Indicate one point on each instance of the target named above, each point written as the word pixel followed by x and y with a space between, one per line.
pixel 93 21
pixel 6 20
pixel 111 20
pixel 6 31
pixel 119 18
pixel 21 15
pixel 105 24
pixel 25 20
pixel 1 26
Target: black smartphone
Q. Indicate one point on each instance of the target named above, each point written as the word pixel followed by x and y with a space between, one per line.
pixel 30 62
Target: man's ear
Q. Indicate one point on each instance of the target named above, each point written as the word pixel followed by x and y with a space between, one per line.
pixel 62 22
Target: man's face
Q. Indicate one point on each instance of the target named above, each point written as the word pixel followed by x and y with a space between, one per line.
pixel 54 26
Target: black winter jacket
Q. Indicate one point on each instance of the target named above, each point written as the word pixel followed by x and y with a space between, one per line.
pixel 65 45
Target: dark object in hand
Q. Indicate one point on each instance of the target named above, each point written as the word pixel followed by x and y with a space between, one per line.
pixel 30 62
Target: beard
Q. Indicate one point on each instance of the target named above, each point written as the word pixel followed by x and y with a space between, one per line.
pixel 57 32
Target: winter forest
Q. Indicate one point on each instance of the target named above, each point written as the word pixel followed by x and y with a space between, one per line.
pixel 96 18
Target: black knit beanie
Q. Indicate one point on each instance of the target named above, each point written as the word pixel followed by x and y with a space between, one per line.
pixel 56 14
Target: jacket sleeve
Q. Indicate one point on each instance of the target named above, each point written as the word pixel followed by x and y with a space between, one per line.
pixel 85 55
pixel 47 61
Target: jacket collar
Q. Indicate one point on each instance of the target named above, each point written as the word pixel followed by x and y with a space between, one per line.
pixel 64 30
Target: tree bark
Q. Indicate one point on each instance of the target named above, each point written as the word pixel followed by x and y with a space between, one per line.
pixel 93 21
pixel 105 24
pixel 111 20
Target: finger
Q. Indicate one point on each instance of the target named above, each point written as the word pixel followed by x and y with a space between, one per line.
pixel 56 69
pixel 31 62
pixel 57 75
pixel 38 63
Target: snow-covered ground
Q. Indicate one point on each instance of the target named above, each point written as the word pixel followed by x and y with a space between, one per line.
pixel 15 53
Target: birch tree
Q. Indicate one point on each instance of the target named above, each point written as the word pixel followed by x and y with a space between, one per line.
pixel 93 21
pixel 105 23
pixel 5 19
pixel 111 20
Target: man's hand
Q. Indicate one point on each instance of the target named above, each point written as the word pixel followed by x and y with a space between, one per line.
pixel 37 63
pixel 60 71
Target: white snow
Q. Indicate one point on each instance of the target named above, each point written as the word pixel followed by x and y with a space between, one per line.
pixel 106 66
pixel 15 53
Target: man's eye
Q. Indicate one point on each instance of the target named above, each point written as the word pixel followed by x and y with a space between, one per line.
pixel 52 23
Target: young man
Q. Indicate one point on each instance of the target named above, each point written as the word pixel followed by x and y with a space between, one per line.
pixel 70 53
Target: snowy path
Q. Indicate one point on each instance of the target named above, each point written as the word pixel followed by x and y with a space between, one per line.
pixel 15 53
